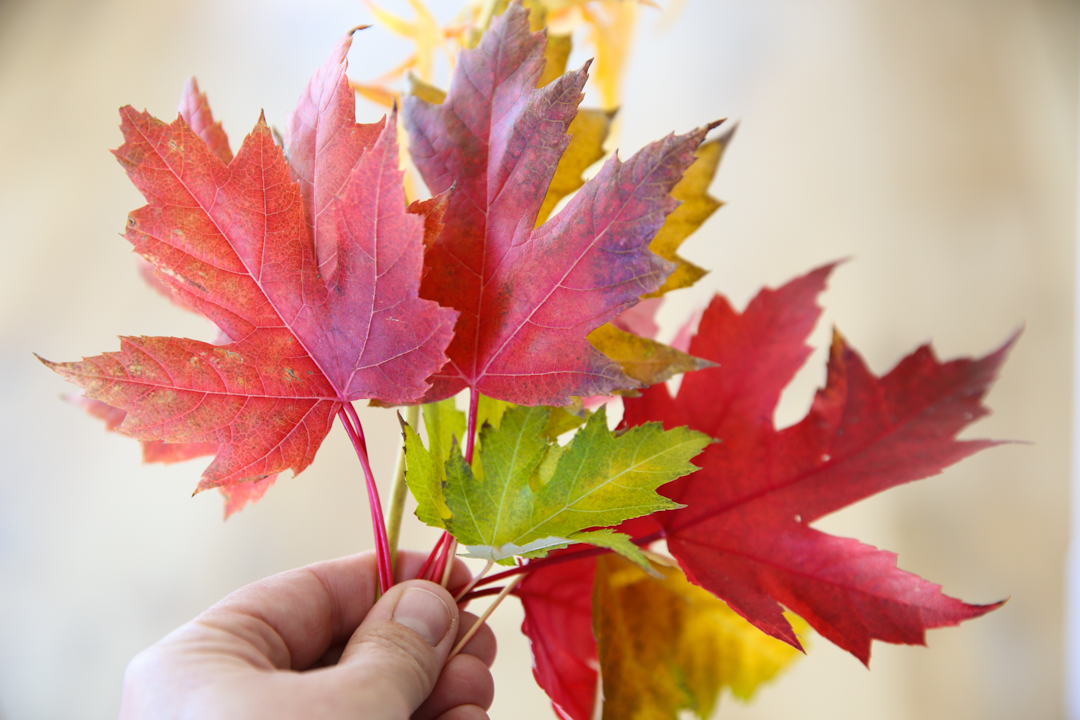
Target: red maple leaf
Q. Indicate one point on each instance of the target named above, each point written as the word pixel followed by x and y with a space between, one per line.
pixel 323 143
pixel 745 535
pixel 234 242
pixel 559 624
pixel 195 110
pixel 529 296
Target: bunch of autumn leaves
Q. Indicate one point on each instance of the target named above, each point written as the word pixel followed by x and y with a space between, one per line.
pixel 327 288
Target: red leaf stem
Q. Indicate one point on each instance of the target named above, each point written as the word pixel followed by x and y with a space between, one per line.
pixel 447 544
pixel 382 545
pixel 486 592
pixel 432 555
pixel 357 427
pixel 439 567
pixel 470 441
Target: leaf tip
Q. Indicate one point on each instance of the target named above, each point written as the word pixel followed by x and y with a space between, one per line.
pixel 1006 347
pixel 62 369
pixel 727 131
pixel 710 126
pixel 703 364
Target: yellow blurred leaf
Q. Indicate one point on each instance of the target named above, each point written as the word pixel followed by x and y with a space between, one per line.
pixel 426 91
pixel 587 132
pixel 394 23
pixel 556 55
pixel 375 93
pixel 611 26
pixel 667 645
pixel 645 360
pixel 609 29
pixel 424 31
pixel 697 206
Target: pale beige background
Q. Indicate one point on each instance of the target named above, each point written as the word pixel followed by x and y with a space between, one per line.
pixel 932 141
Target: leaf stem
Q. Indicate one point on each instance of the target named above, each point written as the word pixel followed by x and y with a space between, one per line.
pixel 444 565
pixel 486 592
pixel 422 574
pixel 472 583
pixel 483 618
pixel 438 556
pixel 470 432
pixel 399 489
pixel 448 562
pixel 443 562
pixel 351 421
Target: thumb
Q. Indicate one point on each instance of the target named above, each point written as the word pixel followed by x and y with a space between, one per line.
pixel 400 648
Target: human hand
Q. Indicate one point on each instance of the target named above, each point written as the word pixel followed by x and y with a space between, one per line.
pixel 312 643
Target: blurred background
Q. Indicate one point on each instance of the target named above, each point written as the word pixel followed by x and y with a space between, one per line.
pixel 932 142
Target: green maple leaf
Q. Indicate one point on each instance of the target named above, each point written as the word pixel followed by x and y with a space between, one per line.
pixel 535 496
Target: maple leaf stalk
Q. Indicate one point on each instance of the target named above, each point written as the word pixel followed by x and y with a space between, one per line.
pixel 472 583
pixel 399 490
pixel 355 431
pixel 510 587
pixel 441 568
pixel 423 572
pixel 484 592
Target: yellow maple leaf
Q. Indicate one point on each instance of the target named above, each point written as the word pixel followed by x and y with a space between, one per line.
pixel 425 32
pixel 697 206
pixel 555 55
pixel 610 26
pixel 647 361
pixel 666 645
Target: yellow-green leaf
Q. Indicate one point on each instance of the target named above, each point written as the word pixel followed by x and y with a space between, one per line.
pixel 563 420
pixel 666 645
pixel 490 411
pixel 490 513
pixel 645 360
pixel 445 426
pixel 425 476
pixel 618 542
pixel 599 480
pixel 697 206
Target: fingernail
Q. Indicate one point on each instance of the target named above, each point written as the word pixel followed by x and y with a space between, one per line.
pixel 425 612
